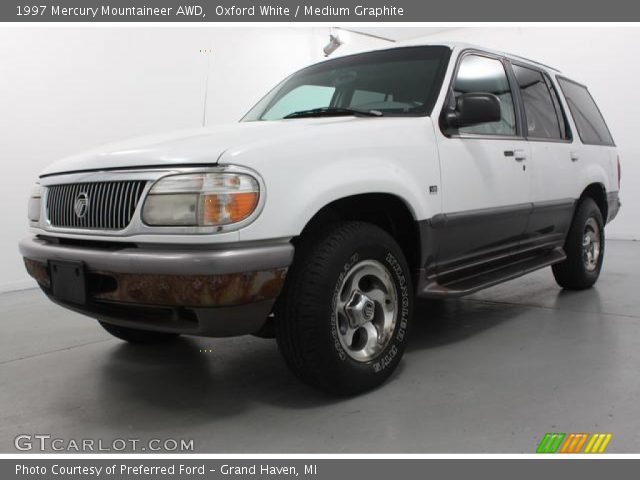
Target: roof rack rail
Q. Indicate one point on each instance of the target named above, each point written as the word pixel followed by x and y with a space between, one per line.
pixel 534 61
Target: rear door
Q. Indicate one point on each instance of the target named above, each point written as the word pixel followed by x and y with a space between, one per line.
pixel 553 166
pixel 596 148
pixel 484 168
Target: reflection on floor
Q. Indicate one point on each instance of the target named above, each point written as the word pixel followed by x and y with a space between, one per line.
pixel 489 373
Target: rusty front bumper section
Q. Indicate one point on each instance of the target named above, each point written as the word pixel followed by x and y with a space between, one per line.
pixel 194 291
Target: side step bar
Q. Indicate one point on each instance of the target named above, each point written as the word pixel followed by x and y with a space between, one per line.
pixel 465 281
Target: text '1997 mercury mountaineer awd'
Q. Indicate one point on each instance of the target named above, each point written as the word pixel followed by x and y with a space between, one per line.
pixel 353 186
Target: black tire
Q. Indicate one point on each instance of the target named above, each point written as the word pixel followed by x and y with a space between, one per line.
pixel 140 337
pixel 575 273
pixel 307 324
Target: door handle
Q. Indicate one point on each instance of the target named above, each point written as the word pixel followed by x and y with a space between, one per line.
pixel 574 156
pixel 518 154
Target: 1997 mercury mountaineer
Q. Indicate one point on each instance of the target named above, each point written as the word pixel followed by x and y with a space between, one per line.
pixel 353 186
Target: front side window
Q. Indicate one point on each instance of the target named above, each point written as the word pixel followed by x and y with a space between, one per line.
pixel 589 122
pixel 395 82
pixel 478 74
pixel 539 108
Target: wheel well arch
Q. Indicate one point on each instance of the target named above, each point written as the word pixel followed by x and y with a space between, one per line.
pixel 598 193
pixel 387 211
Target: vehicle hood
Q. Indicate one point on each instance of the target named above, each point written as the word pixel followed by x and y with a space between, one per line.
pixel 206 146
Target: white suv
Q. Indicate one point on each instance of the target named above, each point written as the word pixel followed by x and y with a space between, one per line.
pixel 353 186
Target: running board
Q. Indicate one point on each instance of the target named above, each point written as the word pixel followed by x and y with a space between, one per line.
pixel 466 281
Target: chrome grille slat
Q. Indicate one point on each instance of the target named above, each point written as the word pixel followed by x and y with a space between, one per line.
pixel 125 204
pixel 111 204
pixel 74 219
pixel 116 211
pixel 112 210
pixel 99 202
pixel 93 202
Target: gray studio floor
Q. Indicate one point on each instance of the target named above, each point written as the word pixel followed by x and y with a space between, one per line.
pixel 489 373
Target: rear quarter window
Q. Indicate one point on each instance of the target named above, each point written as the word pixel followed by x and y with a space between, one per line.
pixel 589 121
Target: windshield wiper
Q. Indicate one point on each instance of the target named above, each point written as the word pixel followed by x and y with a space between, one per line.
pixel 333 111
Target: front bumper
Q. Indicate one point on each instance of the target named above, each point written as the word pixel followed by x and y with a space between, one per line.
pixel 197 291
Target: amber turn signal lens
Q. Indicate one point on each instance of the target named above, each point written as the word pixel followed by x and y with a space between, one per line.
pixel 242 205
pixel 211 210
pixel 219 209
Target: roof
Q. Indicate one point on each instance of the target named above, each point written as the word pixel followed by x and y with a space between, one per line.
pixel 466 46
pixel 458 46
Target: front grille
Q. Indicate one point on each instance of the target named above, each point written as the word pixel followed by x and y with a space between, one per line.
pixel 99 205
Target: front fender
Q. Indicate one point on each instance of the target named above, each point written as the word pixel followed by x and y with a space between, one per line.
pixel 288 210
pixel 330 159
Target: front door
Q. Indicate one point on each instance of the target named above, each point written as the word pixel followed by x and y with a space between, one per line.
pixel 485 181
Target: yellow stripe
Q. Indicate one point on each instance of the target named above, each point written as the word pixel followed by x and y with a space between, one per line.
pixel 565 447
pixel 605 443
pixel 591 442
pixel 583 439
pixel 598 442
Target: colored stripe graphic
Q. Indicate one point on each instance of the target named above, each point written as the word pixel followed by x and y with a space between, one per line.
pixel 598 443
pixel 573 442
pixel 550 442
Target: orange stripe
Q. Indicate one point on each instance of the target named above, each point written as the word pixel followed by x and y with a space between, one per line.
pixel 567 442
pixel 576 439
pixel 581 442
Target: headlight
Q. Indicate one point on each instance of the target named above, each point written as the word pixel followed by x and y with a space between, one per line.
pixel 201 199
pixel 33 209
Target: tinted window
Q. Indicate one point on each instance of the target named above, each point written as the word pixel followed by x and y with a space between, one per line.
pixel 539 108
pixel 478 74
pixel 585 113
pixel 397 82
pixel 304 97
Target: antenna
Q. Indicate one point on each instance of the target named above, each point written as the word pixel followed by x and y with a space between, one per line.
pixel 208 51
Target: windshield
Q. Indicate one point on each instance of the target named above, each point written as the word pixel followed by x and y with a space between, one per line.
pixel 396 82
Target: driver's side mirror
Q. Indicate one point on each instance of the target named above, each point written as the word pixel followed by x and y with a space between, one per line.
pixel 473 109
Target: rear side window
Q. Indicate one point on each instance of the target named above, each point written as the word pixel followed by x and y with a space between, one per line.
pixel 487 75
pixel 589 122
pixel 543 120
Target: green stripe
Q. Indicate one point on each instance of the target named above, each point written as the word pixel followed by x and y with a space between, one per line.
pixel 558 442
pixel 550 442
pixel 543 443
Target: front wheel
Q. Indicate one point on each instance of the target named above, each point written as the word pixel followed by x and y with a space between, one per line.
pixel 342 319
pixel 584 247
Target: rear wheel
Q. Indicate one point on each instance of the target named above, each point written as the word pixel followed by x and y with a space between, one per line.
pixel 133 335
pixel 342 319
pixel 584 247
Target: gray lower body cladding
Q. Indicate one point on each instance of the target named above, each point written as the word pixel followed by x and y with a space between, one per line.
pixel 199 291
pixel 510 241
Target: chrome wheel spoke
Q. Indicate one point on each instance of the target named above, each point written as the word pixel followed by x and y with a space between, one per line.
pixel 381 298
pixel 348 336
pixel 354 280
pixel 373 337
